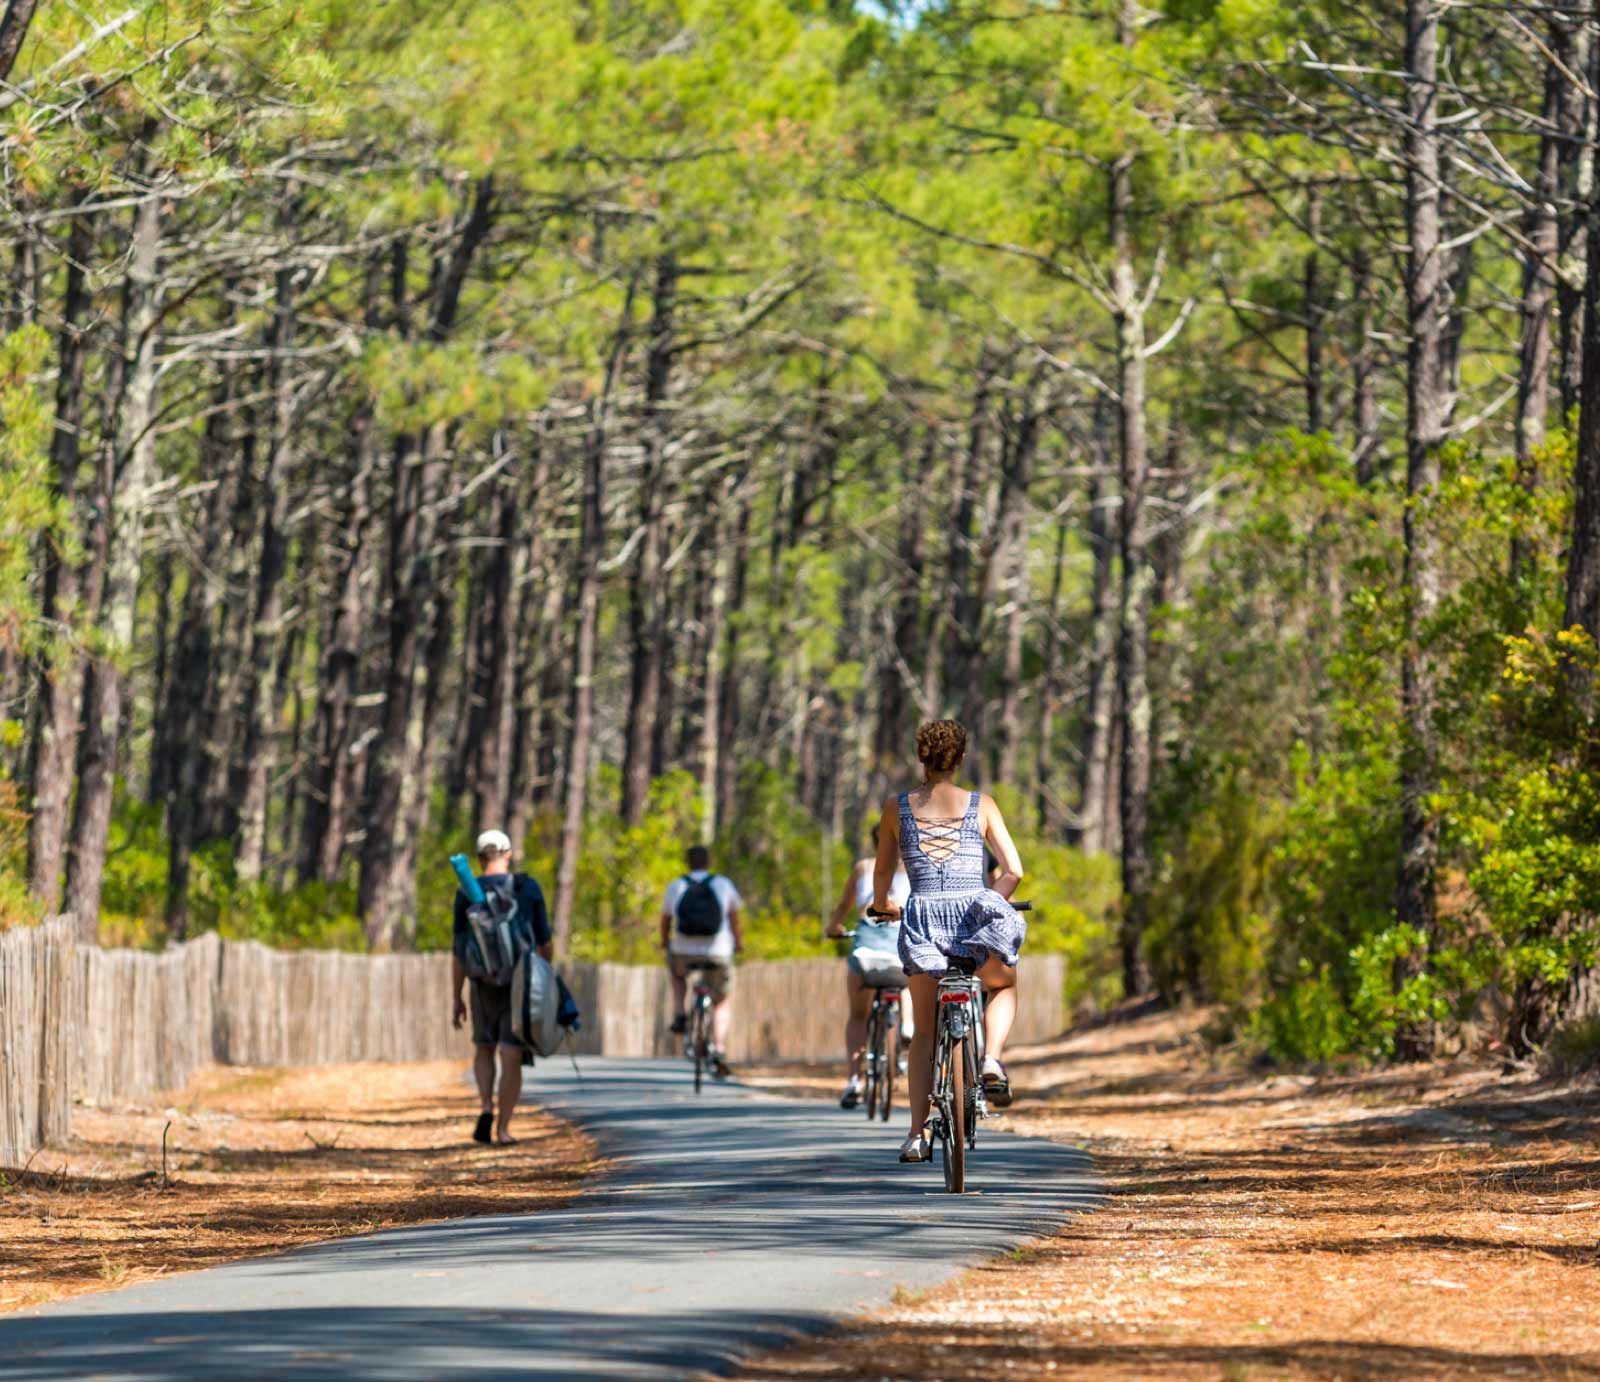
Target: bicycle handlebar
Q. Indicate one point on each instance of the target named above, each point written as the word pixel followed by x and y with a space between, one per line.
pixel 877 918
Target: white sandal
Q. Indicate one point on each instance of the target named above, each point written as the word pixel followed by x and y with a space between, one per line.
pixel 915 1148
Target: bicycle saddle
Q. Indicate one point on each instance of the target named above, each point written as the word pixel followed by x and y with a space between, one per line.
pixel 961 964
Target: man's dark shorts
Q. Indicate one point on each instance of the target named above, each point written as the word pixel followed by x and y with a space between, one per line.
pixel 491 1015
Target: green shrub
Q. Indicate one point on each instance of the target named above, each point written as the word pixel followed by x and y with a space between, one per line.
pixel 1573 1049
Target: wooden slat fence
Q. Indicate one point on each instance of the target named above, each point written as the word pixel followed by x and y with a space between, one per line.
pixel 36 1038
pixel 786 1009
pixel 79 1022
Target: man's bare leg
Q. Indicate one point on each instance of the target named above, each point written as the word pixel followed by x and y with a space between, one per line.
pixel 483 1072
pixel 510 1089
pixel 721 1023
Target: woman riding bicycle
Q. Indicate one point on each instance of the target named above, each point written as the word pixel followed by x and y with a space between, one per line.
pixel 874 939
pixel 939 830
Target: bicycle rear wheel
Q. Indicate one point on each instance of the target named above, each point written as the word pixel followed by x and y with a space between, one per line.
pixel 888 1057
pixel 974 1084
pixel 955 1133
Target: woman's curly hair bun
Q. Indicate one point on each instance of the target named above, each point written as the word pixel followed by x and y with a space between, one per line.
pixel 941 745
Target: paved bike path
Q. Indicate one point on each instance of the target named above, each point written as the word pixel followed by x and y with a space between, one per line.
pixel 734 1222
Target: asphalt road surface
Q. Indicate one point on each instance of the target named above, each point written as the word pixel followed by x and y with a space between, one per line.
pixel 734 1222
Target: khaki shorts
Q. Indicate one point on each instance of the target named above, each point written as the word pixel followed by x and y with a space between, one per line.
pixel 491 1015
pixel 717 974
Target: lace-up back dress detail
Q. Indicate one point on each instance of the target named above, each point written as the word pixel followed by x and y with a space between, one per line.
pixel 951 911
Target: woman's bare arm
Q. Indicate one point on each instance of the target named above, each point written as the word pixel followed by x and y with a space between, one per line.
pixel 1001 846
pixel 847 899
pixel 888 860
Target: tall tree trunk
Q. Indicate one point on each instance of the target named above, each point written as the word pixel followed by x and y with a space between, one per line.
pixel 332 790
pixel 125 478
pixel 960 634
pixel 711 673
pixel 262 705
pixel 538 610
pixel 476 652
pixel 13 29
pixel 1583 556
pixel 1098 831
pixel 1364 394
pixel 560 614
pixel 729 718
pixel 646 601
pixel 158 782
pixel 580 738
pixel 183 744
pixel 1045 802
pixel 1133 604
pixel 890 747
pixel 59 699
pixel 591 543
pixel 507 575
pixel 1534 347
pixel 23 304
pixel 1427 419
pixel 1011 563
pixel 1316 309
pixel 1572 43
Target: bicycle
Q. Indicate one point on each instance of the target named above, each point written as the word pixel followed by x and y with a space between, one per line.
pixel 957 1102
pixel 697 1041
pixel 880 1058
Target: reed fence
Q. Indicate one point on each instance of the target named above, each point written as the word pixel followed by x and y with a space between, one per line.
pixel 82 1023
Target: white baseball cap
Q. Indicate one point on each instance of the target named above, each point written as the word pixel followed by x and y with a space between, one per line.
pixel 494 842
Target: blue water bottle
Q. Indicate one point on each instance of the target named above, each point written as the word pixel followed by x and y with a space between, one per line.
pixel 468 880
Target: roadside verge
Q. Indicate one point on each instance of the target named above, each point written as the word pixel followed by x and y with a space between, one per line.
pixel 1421 1221
pixel 261 1160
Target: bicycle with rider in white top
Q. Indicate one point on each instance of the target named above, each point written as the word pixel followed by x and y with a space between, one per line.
pixel 875 946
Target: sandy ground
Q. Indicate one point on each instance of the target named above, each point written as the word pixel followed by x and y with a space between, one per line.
pixel 262 1160
pixel 1427 1222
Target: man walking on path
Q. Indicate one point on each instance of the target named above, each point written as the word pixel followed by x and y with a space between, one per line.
pixel 700 924
pixel 491 1003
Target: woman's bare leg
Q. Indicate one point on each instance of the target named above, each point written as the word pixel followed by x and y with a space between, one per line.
pixel 919 1067
pixel 1000 1009
pixel 859 999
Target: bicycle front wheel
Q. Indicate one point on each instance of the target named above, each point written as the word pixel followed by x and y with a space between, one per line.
pixel 872 1058
pixel 888 1056
pixel 700 1040
pixel 955 1133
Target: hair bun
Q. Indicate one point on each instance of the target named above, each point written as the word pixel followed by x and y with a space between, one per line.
pixel 941 745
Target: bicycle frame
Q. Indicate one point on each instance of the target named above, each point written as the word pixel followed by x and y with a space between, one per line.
pixel 958 1026
pixel 699 1034
pixel 878 1058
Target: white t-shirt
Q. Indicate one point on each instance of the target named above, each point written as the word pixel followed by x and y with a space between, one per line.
pixel 899 890
pixel 717 947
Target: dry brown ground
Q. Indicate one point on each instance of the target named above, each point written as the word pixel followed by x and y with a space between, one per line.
pixel 1424 1222
pixel 263 1160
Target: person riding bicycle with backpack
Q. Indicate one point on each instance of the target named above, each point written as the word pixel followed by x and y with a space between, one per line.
pixel 700 928
pixel 939 831
pixel 871 939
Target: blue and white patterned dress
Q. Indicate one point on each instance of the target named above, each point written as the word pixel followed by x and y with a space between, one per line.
pixel 951 911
